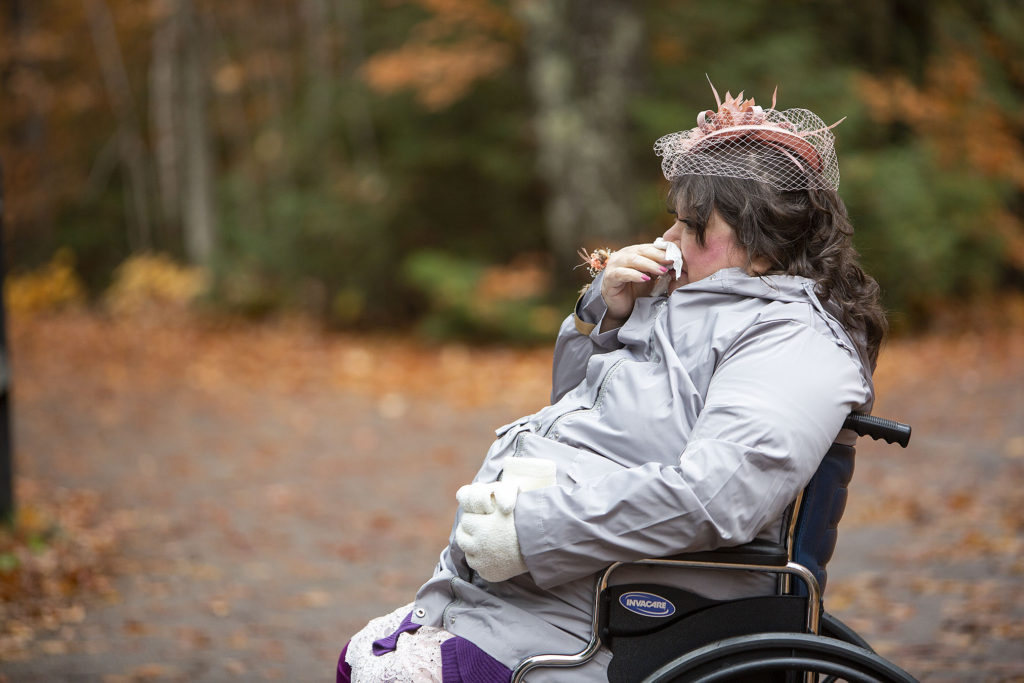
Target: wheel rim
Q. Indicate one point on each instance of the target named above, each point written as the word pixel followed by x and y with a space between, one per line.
pixel 768 651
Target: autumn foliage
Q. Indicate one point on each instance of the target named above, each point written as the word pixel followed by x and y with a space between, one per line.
pixel 301 152
pixel 967 127
pixel 461 42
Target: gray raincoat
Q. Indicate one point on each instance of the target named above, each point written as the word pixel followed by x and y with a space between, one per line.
pixel 692 426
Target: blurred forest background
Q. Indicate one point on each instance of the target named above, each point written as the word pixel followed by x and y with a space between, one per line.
pixel 437 163
pixel 230 225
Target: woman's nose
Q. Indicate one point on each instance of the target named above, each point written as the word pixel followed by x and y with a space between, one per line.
pixel 672 234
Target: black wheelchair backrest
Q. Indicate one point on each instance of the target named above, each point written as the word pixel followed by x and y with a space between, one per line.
pixel 823 501
pixel 819 511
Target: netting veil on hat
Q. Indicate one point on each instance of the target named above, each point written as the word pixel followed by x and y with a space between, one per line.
pixel 789 150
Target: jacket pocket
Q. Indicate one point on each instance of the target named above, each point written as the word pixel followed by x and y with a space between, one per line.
pixel 530 445
pixel 587 465
pixel 574 465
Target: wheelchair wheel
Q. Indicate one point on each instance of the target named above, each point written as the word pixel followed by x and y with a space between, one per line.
pixel 832 627
pixel 746 658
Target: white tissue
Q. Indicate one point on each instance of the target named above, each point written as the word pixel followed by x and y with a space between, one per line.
pixel 671 252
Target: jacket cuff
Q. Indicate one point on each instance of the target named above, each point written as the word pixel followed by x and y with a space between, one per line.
pixel 589 314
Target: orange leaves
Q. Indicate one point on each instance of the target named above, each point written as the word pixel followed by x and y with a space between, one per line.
pixel 148 282
pixel 968 131
pixel 61 547
pixel 438 75
pixel 952 109
pixel 150 353
pixel 482 14
pixel 53 286
pixel 1010 229
pixel 153 281
pixel 526 277
pixel 462 42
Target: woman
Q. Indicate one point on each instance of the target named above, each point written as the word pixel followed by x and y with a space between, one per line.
pixel 682 418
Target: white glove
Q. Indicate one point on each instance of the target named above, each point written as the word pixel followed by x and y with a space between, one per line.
pixel 487 529
pixel 483 498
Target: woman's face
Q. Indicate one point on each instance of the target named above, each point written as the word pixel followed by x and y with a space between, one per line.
pixel 719 248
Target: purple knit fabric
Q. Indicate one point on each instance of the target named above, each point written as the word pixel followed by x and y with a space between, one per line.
pixel 464 662
pixel 461 660
pixel 389 643
pixel 344 670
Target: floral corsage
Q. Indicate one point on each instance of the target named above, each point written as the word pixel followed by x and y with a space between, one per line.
pixel 596 260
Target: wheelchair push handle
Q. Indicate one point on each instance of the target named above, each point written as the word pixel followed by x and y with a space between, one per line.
pixel 879 428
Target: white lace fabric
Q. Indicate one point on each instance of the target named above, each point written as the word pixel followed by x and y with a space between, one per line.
pixel 416 659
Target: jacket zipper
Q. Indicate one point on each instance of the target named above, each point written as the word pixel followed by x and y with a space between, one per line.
pixel 660 306
pixel 597 401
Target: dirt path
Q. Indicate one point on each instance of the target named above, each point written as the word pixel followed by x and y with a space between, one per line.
pixel 278 488
pixel 930 563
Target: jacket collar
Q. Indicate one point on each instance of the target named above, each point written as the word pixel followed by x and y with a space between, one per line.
pixel 785 289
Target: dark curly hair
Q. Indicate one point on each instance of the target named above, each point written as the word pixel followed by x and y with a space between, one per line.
pixel 805 232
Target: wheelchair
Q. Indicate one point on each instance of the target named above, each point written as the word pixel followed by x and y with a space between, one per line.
pixel 663 634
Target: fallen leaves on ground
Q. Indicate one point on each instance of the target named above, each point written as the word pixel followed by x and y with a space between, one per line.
pixel 964 520
pixel 61 549
pixel 152 353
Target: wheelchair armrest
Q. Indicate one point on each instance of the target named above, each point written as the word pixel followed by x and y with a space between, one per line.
pixel 756 552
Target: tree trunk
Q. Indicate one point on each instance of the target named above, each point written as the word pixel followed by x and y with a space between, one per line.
pixel 358 117
pixel 28 148
pixel 130 145
pixel 319 76
pixel 163 93
pixel 6 452
pixel 199 220
pixel 580 54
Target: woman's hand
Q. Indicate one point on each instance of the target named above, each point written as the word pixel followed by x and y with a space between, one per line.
pixel 629 273
pixel 487 530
